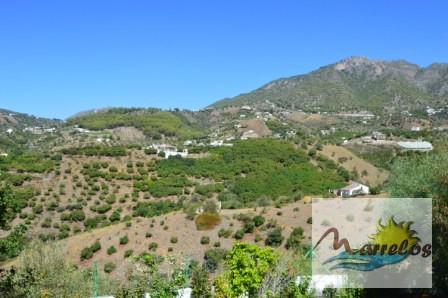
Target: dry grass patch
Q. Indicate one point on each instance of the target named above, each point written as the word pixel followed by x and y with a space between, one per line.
pixel 207 221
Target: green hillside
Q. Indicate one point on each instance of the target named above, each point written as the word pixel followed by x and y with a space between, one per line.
pixel 153 122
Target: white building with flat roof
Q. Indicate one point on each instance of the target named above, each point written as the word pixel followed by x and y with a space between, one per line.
pixel 415 146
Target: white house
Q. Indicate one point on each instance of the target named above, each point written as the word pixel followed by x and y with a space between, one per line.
pixel 354 188
pixel 9 130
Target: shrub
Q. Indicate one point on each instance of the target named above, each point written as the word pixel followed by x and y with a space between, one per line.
pixel 38 209
pixel 309 220
pixel 124 240
pixel 173 239
pixel 103 208
pixel 153 246
pixel 239 234
pixel 86 253
pixel 274 238
pixel 205 240
pixel 258 220
pixel 258 238
pixel 63 234
pixel 207 221
pixel 65 216
pixel 111 199
pixel 111 250
pixel 217 244
pixel 78 215
pixel 128 253
pixel 115 216
pixel 148 234
pixel 226 233
pixel 249 227
pixel 295 239
pixel 109 267
pixel 96 246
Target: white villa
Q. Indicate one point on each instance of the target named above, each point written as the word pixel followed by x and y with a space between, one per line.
pixel 354 188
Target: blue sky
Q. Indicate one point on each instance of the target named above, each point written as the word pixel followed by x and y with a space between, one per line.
pixel 60 57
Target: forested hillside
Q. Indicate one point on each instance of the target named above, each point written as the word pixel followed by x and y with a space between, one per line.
pixel 153 122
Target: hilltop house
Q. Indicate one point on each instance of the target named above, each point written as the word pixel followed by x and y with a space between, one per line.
pixel 354 188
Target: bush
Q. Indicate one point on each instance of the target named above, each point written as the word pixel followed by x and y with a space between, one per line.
pixel 111 250
pixel 153 246
pixel 96 246
pixel 63 234
pixel 173 239
pixel 258 220
pixel 309 220
pixel 295 239
pixel 115 216
pixel 375 190
pixel 274 238
pixel 78 215
pixel 124 240
pixel 86 253
pixel 207 221
pixel 65 216
pixel 205 240
pixel 249 227
pixel 148 234
pixel 128 253
pixel 217 244
pixel 38 209
pixel 226 233
pixel 103 208
pixel 239 234
pixel 109 267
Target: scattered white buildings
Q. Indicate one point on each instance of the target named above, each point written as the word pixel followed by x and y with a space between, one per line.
pixel 39 130
pixel 169 150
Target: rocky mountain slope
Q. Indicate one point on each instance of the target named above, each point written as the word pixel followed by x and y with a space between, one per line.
pixel 355 83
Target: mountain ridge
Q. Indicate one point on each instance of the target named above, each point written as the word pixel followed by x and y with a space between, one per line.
pixel 354 82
